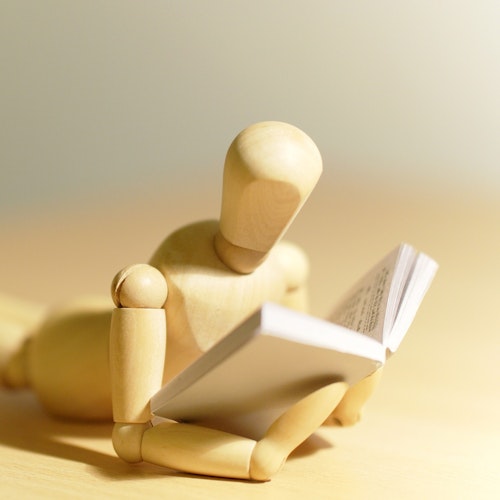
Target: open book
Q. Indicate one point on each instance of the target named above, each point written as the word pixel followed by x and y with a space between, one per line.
pixel 277 355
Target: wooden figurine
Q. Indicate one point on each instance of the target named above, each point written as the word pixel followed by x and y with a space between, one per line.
pixel 200 283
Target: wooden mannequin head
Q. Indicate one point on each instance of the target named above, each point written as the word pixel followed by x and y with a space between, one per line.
pixel 270 170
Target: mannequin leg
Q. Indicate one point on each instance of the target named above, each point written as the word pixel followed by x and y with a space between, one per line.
pixel 199 450
pixel 292 428
pixel 348 411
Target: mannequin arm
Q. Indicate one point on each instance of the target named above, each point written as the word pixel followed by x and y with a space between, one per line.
pixel 137 352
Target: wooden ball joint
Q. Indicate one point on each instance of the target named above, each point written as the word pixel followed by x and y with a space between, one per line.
pixel 201 282
pixel 139 286
pixel 137 350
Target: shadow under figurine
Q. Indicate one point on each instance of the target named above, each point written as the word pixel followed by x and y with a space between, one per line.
pixel 90 363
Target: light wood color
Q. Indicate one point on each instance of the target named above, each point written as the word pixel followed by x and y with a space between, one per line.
pixel 348 411
pixel 206 298
pixel 66 361
pixel 198 450
pixel 17 317
pixel 202 450
pixel 137 342
pixel 139 286
pixel 292 428
pixel 127 440
pixel 203 281
pixel 429 431
pixel 137 354
pixel 264 188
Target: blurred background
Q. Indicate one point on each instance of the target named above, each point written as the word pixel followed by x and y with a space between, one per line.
pixel 114 112
pixel 97 96
pixel 115 118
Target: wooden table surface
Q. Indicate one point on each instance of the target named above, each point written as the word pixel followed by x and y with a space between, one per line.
pixel 431 431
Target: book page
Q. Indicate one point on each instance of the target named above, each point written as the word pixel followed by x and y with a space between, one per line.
pixel 266 372
pixel 364 308
pixel 403 272
pixel 273 359
pixel 277 355
pixel 419 281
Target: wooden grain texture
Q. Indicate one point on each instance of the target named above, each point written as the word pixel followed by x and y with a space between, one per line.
pixel 270 170
pixel 431 429
pixel 137 353
pixel 208 295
